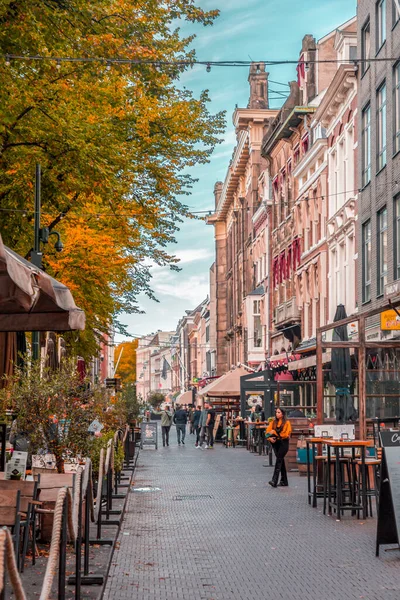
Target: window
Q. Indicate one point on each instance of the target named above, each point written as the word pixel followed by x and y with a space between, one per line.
pixel 381 126
pixel 397 237
pixel 366 145
pixel 396 108
pixel 395 11
pixel 257 323
pixel 382 251
pixel 365 46
pixel 366 261
pixel 380 23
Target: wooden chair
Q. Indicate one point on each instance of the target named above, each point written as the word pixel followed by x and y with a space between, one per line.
pixel 28 502
pixel 49 486
pixel 10 515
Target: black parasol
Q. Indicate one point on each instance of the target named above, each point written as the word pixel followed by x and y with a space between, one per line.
pixel 341 376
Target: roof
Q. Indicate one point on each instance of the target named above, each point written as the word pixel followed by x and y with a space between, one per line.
pixel 227 386
pixel 285 131
pixel 31 300
pixel 259 291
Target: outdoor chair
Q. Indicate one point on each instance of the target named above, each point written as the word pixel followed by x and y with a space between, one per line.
pixel 48 487
pixel 10 515
pixel 28 502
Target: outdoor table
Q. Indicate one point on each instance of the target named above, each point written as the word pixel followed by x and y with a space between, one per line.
pixel 256 425
pixel 336 446
pixel 312 493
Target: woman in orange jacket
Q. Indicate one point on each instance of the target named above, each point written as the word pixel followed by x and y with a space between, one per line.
pixel 279 431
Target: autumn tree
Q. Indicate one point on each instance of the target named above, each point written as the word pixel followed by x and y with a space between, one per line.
pixel 126 354
pixel 116 141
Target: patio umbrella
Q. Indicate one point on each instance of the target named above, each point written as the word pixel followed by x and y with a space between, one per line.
pixel 341 376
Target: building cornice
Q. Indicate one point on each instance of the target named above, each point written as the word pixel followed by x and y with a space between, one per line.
pixel 344 80
pixel 313 153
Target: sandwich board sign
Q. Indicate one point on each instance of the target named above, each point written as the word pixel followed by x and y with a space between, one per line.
pixel 148 435
pixel 388 529
pixel 17 465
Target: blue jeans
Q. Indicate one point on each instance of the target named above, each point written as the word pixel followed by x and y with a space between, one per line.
pixel 180 431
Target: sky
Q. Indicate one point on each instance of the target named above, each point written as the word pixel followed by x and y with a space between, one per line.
pixel 251 30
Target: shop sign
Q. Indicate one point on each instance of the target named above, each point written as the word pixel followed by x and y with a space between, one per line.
pixel 392 289
pixel 390 321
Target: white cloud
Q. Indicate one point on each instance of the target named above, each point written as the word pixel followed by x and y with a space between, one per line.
pixel 194 289
pixel 193 255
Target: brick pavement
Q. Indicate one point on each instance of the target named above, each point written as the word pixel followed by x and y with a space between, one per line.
pixel 247 541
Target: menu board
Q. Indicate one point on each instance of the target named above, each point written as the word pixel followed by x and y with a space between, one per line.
pixel 388 530
pixel 148 435
pixel 16 466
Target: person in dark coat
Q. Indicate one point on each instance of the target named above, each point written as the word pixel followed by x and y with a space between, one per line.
pixel 196 424
pixel 180 420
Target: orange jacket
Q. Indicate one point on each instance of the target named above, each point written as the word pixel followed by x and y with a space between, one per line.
pixel 286 431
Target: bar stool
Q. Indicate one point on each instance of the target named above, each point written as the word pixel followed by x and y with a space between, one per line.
pixel 372 492
pixel 347 486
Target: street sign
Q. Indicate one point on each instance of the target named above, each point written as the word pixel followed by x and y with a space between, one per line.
pixel 148 436
pixel 388 531
pixel 113 383
pixel 390 321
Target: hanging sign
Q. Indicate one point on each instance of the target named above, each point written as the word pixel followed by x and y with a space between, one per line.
pixel 388 530
pixel 390 321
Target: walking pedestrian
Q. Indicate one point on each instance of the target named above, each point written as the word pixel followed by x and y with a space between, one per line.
pixel 203 426
pixel 210 426
pixel 180 420
pixel 195 422
pixel 166 422
pixel 279 431
pixel 190 418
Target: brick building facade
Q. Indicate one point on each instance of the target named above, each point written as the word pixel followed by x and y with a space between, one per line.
pixel 379 156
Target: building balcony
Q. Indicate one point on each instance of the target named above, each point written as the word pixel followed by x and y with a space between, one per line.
pixel 287 313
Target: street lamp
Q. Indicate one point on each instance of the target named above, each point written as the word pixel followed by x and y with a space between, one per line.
pixel 42 235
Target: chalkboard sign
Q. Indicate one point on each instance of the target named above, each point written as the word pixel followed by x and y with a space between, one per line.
pixel 148 435
pixel 388 530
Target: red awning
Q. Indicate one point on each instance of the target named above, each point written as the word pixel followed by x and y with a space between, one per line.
pixel 31 300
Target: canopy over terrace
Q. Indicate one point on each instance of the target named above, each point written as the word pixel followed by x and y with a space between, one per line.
pixel 31 300
pixel 227 386
pixel 373 389
pixel 185 398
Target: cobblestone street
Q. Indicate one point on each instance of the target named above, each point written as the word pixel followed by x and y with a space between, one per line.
pixel 217 531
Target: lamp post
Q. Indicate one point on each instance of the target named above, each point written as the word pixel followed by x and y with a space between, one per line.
pixel 40 235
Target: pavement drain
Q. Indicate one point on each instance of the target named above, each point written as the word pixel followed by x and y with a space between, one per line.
pixel 146 489
pixel 193 497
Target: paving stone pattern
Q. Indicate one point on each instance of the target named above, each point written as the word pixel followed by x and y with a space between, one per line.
pixel 237 538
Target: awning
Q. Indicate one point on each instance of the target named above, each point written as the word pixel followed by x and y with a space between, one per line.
pixel 185 398
pixel 227 386
pixel 31 300
pixel 308 361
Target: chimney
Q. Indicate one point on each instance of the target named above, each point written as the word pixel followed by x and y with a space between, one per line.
pixel 258 80
pixel 217 192
pixel 309 81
